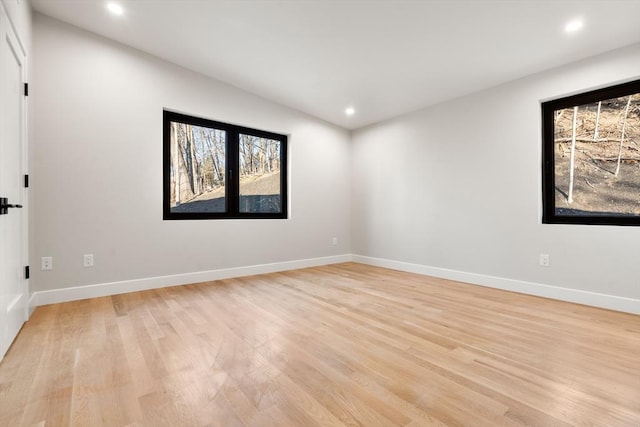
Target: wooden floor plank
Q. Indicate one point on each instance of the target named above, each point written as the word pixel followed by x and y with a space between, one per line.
pixel 338 345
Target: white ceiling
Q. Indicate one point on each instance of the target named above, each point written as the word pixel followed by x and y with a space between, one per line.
pixel 383 57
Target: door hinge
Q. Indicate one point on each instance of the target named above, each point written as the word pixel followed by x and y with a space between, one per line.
pixel 26 272
pixel 26 89
pixel 26 181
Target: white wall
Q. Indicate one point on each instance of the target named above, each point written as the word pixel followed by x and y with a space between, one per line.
pixel 97 169
pixel 457 187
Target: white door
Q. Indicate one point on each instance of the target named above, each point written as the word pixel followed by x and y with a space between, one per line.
pixel 13 220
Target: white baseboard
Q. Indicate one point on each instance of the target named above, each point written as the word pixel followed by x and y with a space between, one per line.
pixel 32 305
pixel 611 302
pixel 627 305
pixel 105 289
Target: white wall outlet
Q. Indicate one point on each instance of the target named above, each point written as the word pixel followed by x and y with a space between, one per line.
pixel 335 241
pixel 544 260
pixel 87 260
pixel 46 263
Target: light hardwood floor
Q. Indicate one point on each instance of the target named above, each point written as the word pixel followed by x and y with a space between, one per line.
pixel 346 344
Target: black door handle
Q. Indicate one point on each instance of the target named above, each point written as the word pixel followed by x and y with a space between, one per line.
pixel 4 206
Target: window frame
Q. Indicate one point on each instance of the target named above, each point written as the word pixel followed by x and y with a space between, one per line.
pixel 549 215
pixel 232 164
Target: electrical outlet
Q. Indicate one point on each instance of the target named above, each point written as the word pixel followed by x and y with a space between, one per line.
pixel 335 241
pixel 544 260
pixel 87 260
pixel 46 263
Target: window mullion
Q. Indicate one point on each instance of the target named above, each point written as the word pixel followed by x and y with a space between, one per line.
pixel 233 171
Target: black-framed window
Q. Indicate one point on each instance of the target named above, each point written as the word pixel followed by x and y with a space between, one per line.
pixel 591 157
pixel 215 170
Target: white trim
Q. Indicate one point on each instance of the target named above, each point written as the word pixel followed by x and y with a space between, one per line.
pixel 106 289
pixel 628 305
pixel 31 305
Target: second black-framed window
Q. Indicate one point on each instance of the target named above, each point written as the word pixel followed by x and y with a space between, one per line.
pixel 215 170
pixel 591 155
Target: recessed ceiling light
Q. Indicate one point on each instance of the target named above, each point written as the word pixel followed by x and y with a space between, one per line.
pixel 573 26
pixel 115 8
pixel 350 111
